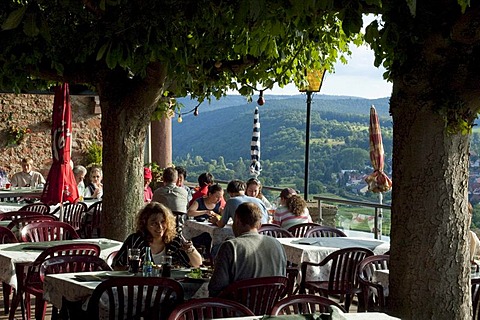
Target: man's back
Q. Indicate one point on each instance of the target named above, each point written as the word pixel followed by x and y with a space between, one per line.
pixel 233 203
pixel 250 255
pixel 173 197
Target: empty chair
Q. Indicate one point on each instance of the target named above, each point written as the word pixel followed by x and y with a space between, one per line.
pixel 209 308
pixel 48 231
pixel 91 226
pixel 18 224
pixel 33 285
pixel 259 294
pixel 72 213
pixel 300 229
pixel 373 294
pixel 134 298
pixel 304 304
pixel 38 207
pixel 343 265
pixel 324 231
pixel 274 231
pixel 6 236
pixel 72 263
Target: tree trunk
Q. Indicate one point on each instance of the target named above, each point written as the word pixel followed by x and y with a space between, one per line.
pixel 127 107
pixel 429 273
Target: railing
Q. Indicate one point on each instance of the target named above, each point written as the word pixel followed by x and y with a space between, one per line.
pixel 378 210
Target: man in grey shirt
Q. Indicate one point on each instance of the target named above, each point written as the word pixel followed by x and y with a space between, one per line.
pixel 173 197
pixel 249 255
pixel 236 191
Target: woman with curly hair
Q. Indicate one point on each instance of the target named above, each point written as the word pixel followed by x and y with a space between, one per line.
pixel 292 210
pixel 156 229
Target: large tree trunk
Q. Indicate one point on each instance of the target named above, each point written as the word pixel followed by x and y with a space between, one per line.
pixel 429 271
pixel 127 106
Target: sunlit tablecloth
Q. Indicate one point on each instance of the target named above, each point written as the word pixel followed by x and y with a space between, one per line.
pixel 194 228
pixel 13 253
pixel 315 252
pixel 65 285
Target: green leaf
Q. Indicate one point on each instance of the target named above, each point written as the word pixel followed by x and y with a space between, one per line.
pixel 30 26
pixel 102 50
pixel 412 5
pixel 14 19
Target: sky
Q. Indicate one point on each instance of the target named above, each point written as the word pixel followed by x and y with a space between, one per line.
pixel 358 78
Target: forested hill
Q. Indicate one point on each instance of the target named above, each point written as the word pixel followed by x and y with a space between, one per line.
pixel 224 127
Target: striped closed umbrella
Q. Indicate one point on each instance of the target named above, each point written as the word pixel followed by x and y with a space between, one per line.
pixel 255 166
pixel 378 181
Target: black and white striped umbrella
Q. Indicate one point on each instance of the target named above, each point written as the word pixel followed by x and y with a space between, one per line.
pixel 255 166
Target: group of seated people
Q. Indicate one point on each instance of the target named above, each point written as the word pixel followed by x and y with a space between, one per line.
pixel 236 259
pixel 94 188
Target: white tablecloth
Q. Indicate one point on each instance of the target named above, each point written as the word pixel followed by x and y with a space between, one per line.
pixel 9 257
pixel 297 253
pixel 194 228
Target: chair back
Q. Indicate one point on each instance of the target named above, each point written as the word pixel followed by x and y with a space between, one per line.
pixel 111 256
pixel 258 294
pixel 209 308
pixel 373 293
pixel 38 207
pixel 74 263
pixel 304 304
pixel 7 236
pixel 17 225
pixel 476 298
pixel 48 231
pixel 274 231
pixel 73 213
pixel 324 231
pixel 13 215
pixel 300 229
pixel 134 297
pixel 91 226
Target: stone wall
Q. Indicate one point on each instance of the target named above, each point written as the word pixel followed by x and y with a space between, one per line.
pixel 34 112
pixel 329 213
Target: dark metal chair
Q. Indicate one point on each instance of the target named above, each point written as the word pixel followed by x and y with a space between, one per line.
pixel 135 298
pixel 374 298
pixel 274 231
pixel 259 294
pixel 209 308
pixel 324 231
pixel 91 225
pixel 39 207
pixel 304 304
pixel 300 229
pixel 73 214
pixel 342 278
pixel 48 231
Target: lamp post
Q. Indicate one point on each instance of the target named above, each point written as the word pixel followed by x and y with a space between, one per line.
pixel 315 79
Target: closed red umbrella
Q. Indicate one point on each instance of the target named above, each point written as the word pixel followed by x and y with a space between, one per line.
pixel 61 185
pixel 378 181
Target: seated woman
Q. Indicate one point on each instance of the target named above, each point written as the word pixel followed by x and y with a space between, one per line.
pixel 292 210
pixel 156 229
pixel 254 189
pixel 95 188
pixel 203 208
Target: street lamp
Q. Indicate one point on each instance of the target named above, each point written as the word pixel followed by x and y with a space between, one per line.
pixel 315 79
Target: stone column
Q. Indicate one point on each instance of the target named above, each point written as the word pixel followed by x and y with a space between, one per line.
pixel 161 142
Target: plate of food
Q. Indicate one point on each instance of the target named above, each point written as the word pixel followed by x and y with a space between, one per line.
pixel 199 274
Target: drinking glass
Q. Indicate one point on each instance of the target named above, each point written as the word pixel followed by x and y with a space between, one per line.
pixel 133 260
pixel 166 262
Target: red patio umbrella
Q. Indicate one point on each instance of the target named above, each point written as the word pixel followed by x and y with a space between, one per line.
pixel 61 185
pixel 378 181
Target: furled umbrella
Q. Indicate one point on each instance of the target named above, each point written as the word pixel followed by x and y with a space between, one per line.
pixel 378 181
pixel 255 166
pixel 61 185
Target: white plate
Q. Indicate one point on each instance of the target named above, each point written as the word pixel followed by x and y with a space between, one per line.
pixel 119 274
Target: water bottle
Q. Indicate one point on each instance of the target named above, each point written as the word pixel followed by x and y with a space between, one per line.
pixel 147 263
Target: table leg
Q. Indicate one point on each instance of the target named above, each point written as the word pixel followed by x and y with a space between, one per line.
pixel 18 295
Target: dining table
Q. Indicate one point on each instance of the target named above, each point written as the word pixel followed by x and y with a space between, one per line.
pixel 76 288
pixel 315 250
pixel 193 228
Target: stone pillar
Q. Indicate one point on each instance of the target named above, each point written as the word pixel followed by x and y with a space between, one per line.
pixel 161 142
pixel 329 213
